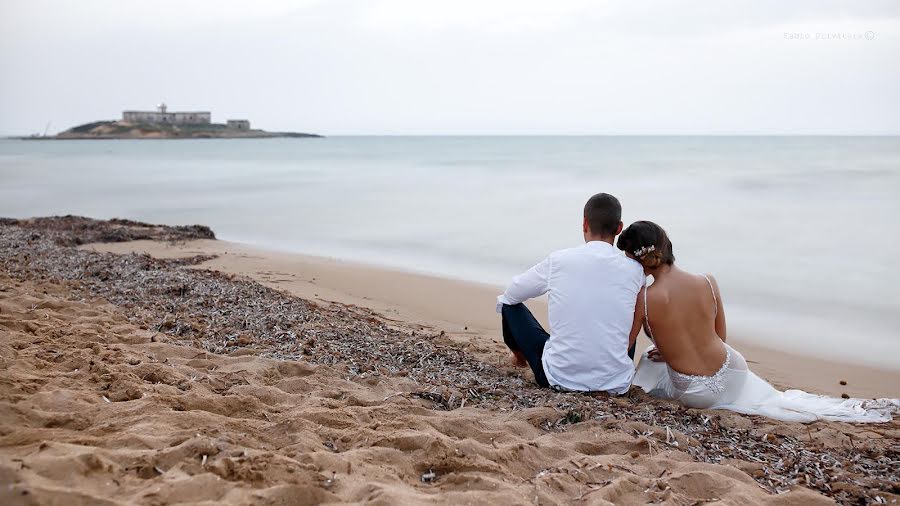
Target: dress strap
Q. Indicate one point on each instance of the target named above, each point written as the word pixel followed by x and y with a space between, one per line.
pixel 713 290
pixel 647 316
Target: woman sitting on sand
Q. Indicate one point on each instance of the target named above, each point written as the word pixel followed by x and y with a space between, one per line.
pixel 691 363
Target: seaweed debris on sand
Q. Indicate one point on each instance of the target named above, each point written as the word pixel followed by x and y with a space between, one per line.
pixel 135 379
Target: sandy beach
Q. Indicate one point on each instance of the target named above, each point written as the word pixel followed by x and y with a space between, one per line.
pixel 207 372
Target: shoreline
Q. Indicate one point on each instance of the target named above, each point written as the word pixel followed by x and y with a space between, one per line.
pixel 464 310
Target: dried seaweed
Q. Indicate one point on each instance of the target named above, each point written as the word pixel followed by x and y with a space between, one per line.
pixel 74 230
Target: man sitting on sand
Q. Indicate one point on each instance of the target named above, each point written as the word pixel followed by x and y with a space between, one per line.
pixel 592 292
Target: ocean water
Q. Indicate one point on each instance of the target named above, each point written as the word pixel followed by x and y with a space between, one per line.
pixel 800 231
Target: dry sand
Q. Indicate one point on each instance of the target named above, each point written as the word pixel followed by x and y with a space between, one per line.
pixel 97 407
pixel 465 310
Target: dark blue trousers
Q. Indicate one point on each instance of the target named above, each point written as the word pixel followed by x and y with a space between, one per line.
pixel 523 333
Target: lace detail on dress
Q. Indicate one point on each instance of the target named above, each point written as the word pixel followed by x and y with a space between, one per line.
pixel 715 383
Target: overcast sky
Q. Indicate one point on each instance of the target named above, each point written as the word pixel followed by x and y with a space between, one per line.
pixel 460 66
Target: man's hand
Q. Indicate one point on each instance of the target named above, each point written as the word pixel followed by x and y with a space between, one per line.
pixel 655 355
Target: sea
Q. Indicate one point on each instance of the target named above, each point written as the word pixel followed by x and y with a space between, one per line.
pixel 801 232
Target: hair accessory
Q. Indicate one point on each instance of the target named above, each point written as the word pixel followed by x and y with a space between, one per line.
pixel 643 251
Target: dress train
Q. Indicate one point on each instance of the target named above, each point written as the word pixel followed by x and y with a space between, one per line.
pixel 734 387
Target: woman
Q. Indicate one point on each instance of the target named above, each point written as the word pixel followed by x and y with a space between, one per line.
pixel 682 313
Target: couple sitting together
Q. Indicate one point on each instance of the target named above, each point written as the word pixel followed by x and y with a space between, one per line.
pixel 598 301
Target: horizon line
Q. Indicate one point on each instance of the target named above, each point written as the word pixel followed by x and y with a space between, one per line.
pixel 326 135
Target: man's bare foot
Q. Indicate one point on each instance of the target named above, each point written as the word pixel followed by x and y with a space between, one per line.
pixel 518 360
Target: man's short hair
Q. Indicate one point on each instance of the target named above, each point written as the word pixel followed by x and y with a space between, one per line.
pixel 603 213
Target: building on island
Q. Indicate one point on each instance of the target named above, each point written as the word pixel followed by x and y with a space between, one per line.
pixel 162 116
pixel 238 124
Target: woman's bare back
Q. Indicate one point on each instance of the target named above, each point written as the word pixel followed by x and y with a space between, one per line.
pixel 687 321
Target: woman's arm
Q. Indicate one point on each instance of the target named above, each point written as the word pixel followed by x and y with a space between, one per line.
pixel 638 318
pixel 720 309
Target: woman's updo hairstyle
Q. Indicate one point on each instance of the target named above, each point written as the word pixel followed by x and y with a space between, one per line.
pixel 648 243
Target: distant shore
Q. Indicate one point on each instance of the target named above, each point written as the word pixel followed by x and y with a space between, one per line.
pixel 108 130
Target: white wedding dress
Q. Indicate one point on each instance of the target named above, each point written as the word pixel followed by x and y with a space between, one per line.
pixel 736 388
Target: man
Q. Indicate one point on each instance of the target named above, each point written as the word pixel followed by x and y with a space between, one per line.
pixel 592 291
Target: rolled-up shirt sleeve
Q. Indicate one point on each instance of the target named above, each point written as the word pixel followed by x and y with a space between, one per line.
pixel 530 284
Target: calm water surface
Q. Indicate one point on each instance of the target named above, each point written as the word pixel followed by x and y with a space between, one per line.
pixel 801 231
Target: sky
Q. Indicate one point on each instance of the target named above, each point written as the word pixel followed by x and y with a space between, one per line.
pixel 479 67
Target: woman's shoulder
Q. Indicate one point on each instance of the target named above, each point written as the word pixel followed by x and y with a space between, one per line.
pixel 705 282
pixel 712 281
pixel 689 282
pixel 703 279
pixel 658 293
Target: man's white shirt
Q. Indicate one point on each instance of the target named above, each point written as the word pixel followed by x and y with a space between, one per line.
pixel 592 291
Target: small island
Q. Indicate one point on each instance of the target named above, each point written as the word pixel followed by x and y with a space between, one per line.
pixel 163 124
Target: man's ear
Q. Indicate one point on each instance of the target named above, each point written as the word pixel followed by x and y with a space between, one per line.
pixel 619 230
pixel 584 226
